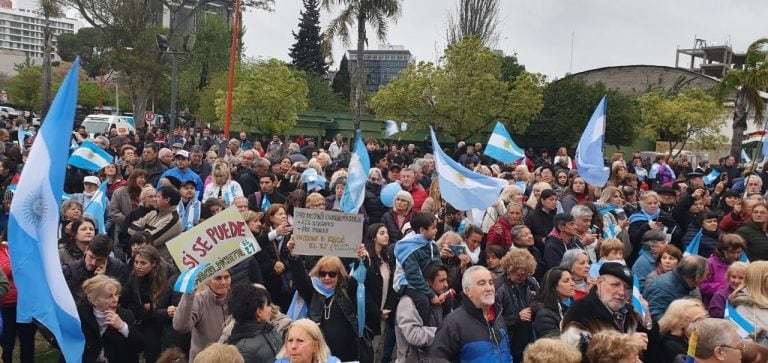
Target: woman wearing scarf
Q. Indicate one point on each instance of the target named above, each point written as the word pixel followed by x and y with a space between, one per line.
pixel 331 297
pixel 204 312
pixel 649 217
pixel 615 222
pixel 273 239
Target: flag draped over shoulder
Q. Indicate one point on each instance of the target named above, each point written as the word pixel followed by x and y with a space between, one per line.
pixel 501 147
pixel 744 327
pixel 90 157
pixel 357 176
pixel 589 152
pixel 97 207
pixel 33 224
pixel 462 187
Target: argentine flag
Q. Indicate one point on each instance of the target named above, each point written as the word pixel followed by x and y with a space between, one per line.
pixel 357 176
pixel 90 157
pixel 501 147
pixel 391 128
pixel 744 327
pixel 636 297
pixel 33 227
pixel 97 207
pixel 693 246
pixel 711 177
pixel 589 152
pixel 462 187
pixel 185 283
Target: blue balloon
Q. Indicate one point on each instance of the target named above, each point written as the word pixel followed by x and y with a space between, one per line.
pixel 388 194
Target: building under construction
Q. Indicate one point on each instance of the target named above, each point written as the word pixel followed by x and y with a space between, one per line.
pixel 709 60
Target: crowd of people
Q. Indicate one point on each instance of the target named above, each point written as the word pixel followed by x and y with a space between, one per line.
pixel 545 274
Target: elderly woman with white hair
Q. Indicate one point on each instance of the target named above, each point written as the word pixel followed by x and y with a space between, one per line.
pixel 399 215
pixel 577 263
pixel 510 194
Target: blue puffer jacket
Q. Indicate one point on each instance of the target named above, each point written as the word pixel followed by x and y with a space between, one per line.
pixel 465 336
pixel 663 291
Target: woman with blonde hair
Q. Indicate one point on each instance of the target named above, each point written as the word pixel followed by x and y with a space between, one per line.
pixel 610 346
pixel 547 350
pixel 219 353
pixel 649 217
pixel 398 215
pixel 434 201
pixel 673 327
pixel 305 343
pixel 510 194
pixel 751 298
pixel 615 221
pixel 536 190
pixel 222 187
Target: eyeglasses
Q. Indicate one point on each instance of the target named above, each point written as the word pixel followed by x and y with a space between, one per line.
pixel 740 347
pixel 329 274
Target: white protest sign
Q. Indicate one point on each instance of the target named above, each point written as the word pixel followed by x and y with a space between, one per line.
pixel 220 241
pixel 324 233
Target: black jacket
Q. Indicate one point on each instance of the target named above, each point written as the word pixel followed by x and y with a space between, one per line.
pixel 372 203
pixel 541 224
pixel 465 334
pixel 75 274
pixel 117 348
pixel 256 199
pixel 374 287
pixel 638 228
pixel 514 299
pixel 546 322
pixel 248 181
pixel 257 342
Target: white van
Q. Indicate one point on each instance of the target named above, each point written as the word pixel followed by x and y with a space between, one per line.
pixel 101 124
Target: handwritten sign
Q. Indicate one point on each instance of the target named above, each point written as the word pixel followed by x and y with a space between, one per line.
pixel 322 232
pixel 221 241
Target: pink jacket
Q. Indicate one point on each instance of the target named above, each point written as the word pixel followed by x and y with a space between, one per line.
pixel 716 279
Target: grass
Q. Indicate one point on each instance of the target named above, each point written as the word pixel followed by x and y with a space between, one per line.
pixel 43 351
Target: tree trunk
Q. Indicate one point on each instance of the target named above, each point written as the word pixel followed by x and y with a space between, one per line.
pixel 739 125
pixel 359 70
pixel 47 49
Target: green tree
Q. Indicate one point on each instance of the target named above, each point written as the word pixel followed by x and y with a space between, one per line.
pixel 307 53
pixel 341 83
pixel 570 102
pixel 321 97
pixel 361 13
pixel 88 44
pixel 206 109
pixel 474 18
pixel 510 69
pixel 463 97
pixel 24 89
pixel 691 116
pixel 50 9
pixel 747 82
pixel 268 97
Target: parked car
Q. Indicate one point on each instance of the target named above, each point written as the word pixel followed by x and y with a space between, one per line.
pixel 8 113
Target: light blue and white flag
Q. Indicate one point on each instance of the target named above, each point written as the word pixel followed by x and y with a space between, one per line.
pixel 357 176
pixel 391 128
pixel 744 327
pixel 359 275
pixel 589 152
pixel 186 281
pixel 33 227
pixel 693 246
pixel 20 135
pixel 97 207
pixel 711 177
pixel 745 157
pixel 743 257
pixel 462 187
pixel 501 147
pixel 90 157
pixel 636 297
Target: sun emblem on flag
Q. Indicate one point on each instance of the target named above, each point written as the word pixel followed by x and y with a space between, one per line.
pixel 507 144
pixel 35 208
pixel 461 178
pixel 89 154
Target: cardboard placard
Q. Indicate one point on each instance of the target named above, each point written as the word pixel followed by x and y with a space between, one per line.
pixel 324 233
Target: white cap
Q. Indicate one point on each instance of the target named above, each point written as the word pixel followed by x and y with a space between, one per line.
pixel 91 179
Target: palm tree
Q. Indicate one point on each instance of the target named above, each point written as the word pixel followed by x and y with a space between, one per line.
pixel 747 82
pixel 377 14
pixel 50 9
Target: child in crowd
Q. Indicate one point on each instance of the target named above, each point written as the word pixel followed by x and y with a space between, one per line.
pixel 493 255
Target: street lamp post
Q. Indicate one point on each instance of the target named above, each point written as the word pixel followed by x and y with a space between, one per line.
pixel 164 46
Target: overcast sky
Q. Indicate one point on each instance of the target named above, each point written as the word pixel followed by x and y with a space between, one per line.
pixel 606 32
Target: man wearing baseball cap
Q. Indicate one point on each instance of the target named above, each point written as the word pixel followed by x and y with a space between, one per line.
pixel 608 307
pixel 183 173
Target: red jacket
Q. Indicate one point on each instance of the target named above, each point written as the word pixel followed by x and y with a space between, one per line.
pixel 419 196
pixel 5 264
pixel 731 222
pixel 500 234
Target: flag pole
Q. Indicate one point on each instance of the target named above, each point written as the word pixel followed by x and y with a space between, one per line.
pixel 232 65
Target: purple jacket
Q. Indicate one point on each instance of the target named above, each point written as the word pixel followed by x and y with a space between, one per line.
pixel 716 280
pixel 717 304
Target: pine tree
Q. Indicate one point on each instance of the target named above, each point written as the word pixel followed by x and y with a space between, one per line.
pixel 307 52
pixel 341 82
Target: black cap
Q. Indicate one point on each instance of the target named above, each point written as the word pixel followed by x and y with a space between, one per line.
pixel 694 174
pixel 617 270
pixel 395 166
pixel 665 190
pixel 174 181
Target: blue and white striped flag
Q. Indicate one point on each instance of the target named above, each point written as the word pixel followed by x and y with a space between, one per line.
pixel 636 297
pixel 97 207
pixel 90 157
pixel 693 246
pixel 501 147
pixel 186 281
pixel 744 327
pixel 462 187
pixel 711 177
pixel 589 152
pixel 391 128
pixel 20 135
pixel 33 227
pixel 357 176
pixel 743 257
